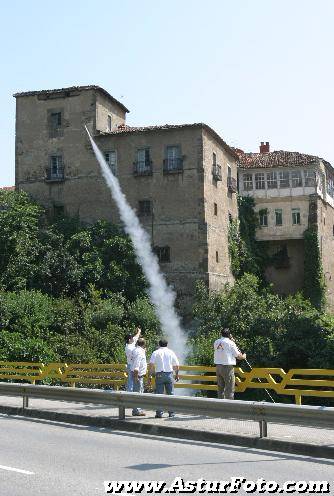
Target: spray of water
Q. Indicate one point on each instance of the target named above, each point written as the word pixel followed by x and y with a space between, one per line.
pixel 161 295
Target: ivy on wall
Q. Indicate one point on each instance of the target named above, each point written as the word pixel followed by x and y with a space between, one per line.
pixel 314 281
pixel 246 255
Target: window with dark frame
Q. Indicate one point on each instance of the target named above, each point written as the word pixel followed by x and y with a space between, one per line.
pixel 215 209
pixel 163 253
pixel 217 257
pixel 263 217
pixel 278 217
pixel 295 216
pixel 143 163
pixel 144 207
pixel 56 164
pixel 111 159
pixel 58 211
pixel 55 120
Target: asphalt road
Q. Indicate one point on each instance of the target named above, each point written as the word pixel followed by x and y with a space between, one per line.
pixel 48 458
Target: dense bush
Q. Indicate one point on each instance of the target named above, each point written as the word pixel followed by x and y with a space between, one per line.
pixel 274 331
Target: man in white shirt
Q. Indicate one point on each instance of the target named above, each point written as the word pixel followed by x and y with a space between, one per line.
pixel 225 354
pixel 138 371
pixel 163 363
pixel 130 345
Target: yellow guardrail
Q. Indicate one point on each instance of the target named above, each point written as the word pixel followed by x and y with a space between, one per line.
pixel 295 382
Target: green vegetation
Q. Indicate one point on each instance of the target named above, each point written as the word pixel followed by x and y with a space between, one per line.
pixel 67 291
pixel 314 281
pixel 71 292
pixel 275 331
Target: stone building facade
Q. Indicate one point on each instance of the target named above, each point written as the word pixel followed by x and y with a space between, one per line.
pixel 292 191
pixel 181 179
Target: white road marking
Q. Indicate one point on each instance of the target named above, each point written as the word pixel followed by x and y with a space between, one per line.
pixel 19 470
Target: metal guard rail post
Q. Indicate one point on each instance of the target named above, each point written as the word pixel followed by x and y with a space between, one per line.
pixel 312 416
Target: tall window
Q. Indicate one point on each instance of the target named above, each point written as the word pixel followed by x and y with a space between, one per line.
pixel 111 159
pixel 215 209
pixel 56 163
pixel 278 216
pixel 259 181
pixel 143 160
pixel 263 217
pixel 173 160
pixel 214 159
pixel 296 179
pixel 55 119
pixel 271 180
pixel 109 122
pixel 284 179
pixel 309 178
pixel 163 253
pixel 144 207
pixel 217 257
pixel 248 182
pixel 296 216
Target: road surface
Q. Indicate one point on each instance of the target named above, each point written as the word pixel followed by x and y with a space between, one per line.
pixel 48 458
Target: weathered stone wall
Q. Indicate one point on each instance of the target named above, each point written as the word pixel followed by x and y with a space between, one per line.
pixel 326 242
pixel 176 199
pixel 216 192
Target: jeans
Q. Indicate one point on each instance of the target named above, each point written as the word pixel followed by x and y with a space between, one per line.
pixel 225 381
pixel 138 387
pixel 164 384
pixel 129 386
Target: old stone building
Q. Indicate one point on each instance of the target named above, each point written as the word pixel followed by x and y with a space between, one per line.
pixel 292 191
pixel 181 179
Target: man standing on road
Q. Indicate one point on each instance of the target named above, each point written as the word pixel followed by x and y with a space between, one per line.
pixel 225 355
pixel 138 371
pixel 130 345
pixel 163 363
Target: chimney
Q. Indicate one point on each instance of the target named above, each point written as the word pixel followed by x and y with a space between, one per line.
pixel 264 147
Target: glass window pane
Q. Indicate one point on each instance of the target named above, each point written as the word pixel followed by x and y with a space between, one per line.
pixel 248 182
pixel 259 181
pixel 278 216
pixel 296 179
pixel 284 180
pixel 271 180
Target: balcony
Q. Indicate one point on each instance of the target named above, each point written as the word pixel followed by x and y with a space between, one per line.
pixel 173 165
pixel 54 174
pixel 142 168
pixel 217 172
pixel 232 185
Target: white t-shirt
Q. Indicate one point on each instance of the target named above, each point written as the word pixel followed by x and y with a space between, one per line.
pixel 164 359
pixel 129 347
pixel 138 361
pixel 226 352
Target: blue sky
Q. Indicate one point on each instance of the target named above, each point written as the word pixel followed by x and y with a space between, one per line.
pixel 255 70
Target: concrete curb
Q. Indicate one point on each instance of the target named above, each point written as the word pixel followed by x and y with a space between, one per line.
pixel 313 450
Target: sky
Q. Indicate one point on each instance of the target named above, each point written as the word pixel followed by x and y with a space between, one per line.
pixel 254 70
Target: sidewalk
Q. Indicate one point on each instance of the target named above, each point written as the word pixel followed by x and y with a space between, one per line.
pixel 242 429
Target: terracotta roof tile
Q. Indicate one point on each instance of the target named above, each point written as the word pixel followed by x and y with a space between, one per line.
pixel 7 188
pixel 278 158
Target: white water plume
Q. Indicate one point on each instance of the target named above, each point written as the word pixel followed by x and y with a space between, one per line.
pixel 161 295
